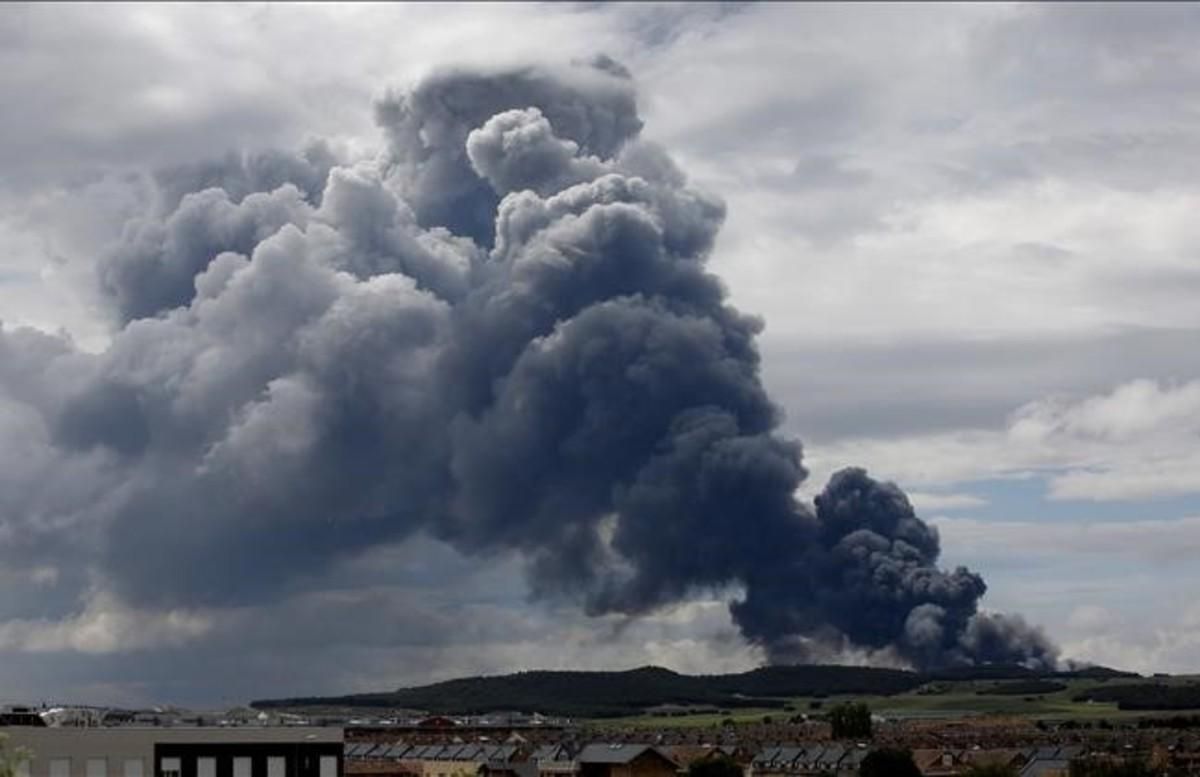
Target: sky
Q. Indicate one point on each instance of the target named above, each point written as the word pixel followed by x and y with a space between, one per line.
pixel 968 231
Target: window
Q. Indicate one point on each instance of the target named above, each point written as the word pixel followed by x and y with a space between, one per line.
pixel 241 767
pixel 134 768
pixel 23 768
pixel 97 767
pixel 170 767
pixel 60 767
pixel 329 766
pixel 206 767
pixel 276 766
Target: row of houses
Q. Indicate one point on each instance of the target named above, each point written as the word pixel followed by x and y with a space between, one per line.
pixel 1045 761
pixel 131 751
pixel 826 758
pixel 813 759
pixel 808 759
pixel 398 759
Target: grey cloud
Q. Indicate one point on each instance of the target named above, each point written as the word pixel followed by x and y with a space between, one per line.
pixel 826 171
pixel 153 266
pixel 924 385
pixel 518 150
pixel 239 175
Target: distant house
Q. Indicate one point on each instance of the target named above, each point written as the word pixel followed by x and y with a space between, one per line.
pixel 686 755
pixel 1047 767
pixel 554 761
pixel 437 721
pixel 939 762
pixel 814 758
pixel 509 769
pixel 462 760
pixel 624 760
pixel 21 716
pixel 1012 758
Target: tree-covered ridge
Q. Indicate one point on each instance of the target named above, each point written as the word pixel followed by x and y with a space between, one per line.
pixel 1147 696
pixel 615 694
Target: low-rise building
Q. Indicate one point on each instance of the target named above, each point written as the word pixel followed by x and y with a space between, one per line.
pixel 625 760
pixel 178 752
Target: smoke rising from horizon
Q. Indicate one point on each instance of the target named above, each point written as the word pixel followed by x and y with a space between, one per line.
pixel 499 332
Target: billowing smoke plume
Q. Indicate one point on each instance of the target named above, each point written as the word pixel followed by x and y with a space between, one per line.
pixel 499 332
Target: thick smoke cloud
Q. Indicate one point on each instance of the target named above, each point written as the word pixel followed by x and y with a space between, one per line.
pixel 426 128
pixel 500 333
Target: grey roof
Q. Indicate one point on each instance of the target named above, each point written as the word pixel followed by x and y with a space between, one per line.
pixel 1040 766
pixel 550 753
pixel 397 750
pixel 616 754
pixel 832 755
pixel 812 755
pixel 767 755
pixel 478 753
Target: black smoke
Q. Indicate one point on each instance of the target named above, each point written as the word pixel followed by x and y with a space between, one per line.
pixel 501 333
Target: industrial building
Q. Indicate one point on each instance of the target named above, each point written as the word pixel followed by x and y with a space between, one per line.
pixel 177 752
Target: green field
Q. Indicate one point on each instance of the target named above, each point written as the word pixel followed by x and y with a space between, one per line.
pixel 935 700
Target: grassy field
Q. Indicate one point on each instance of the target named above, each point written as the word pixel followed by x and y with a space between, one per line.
pixel 937 700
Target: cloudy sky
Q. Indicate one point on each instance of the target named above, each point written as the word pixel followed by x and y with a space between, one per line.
pixel 969 229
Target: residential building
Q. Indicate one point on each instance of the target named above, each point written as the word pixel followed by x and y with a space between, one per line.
pixel 625 760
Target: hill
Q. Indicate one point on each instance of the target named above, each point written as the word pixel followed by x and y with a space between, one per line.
pixel 616 694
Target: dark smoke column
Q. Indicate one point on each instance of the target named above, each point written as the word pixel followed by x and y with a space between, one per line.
pixel 501 333
pixel 606 377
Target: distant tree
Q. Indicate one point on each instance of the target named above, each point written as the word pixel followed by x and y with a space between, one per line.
pixel 717 766
pixel 889 762
pixel 850 721
pixel 1087 767
pixel 991 770
pixel 11 758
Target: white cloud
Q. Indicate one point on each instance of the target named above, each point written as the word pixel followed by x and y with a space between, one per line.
pixel 105 625
pixel 1091 619
pixel 1152 541
pixel 928 502
pixel 1113 640
pixel 1137 441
